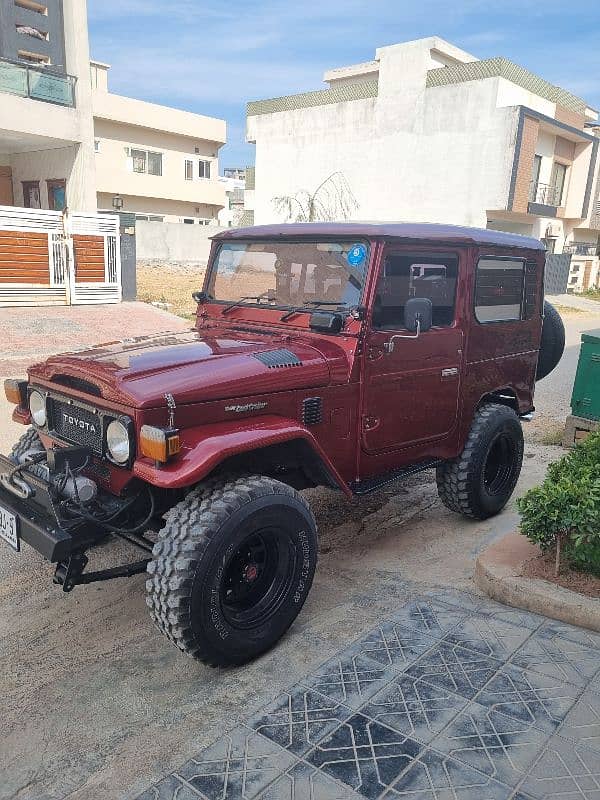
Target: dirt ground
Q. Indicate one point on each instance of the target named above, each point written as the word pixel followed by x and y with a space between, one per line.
pixel 94 703
pixel 544 565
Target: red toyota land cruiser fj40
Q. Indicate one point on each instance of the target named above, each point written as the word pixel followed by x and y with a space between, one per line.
pixel 345 355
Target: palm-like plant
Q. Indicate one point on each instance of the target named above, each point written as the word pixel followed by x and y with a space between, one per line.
pixel 332 200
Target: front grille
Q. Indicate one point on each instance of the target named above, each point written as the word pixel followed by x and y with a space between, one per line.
pixel 76 424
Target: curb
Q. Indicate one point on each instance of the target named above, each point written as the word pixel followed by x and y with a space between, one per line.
pixel 497 573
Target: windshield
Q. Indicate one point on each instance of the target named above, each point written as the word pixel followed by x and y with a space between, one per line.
pixel 290 274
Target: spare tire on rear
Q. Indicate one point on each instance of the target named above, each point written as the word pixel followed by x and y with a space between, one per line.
pixel 553 341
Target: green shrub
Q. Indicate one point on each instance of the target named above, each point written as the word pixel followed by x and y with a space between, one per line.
pixel 564 512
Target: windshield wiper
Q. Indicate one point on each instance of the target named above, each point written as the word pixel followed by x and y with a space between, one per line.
pixel 242 300
pixel 300 309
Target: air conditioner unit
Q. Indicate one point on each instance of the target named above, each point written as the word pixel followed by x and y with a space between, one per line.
pixel 554 230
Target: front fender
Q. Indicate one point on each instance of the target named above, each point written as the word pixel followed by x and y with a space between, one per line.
pixel 204 447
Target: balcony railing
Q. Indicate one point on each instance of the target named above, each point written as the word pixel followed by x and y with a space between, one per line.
pixel 581 249
pixel 545 194
pixel 38 83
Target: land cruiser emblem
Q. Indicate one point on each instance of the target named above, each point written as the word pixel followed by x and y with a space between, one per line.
pixel 79 423
pixel 246 407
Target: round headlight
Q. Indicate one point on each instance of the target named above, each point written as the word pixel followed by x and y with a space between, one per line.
pixel 117 441
pixel 37 408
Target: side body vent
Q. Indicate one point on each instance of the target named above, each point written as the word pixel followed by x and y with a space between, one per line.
pixel 273 359
pixel 312 411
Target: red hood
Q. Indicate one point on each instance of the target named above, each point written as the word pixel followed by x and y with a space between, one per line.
pixel 191 366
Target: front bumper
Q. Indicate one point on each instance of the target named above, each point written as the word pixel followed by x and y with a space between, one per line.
pixel 36 521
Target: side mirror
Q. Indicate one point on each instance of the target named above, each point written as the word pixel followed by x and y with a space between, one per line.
pixel 418 310
pixel 199 297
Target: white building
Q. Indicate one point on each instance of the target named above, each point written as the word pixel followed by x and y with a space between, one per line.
pixel 427 132
pixel 66 140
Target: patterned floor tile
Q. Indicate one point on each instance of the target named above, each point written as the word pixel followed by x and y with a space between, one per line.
pixel 490 636
pixel 429 616
pixel 434 776
pixel 458 669
pixel 350 679
pixel 536 699
pixel 414 707
pixel 566 771
pixel 465 601
pixel 365 755
pixel 514 616
pixel 169 788
pixel 303 782
pixel 394 645
pixel 499 746
pixel 236 767
pixel 561 658
pixel 582 723
pixel 298 719
pixel 580 635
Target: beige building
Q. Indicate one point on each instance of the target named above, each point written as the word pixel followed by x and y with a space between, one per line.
pixel 46 125
pixel 66 140
pixel 162 162
pixel 428 132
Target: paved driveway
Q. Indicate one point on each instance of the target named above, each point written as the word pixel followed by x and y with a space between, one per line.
pixel 28 335
pixel 94 703
pixel 451 697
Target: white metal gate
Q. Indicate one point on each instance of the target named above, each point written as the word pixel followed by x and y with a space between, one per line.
pixel 50 258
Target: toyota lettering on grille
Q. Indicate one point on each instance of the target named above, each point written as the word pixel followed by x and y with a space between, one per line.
pixel 79 423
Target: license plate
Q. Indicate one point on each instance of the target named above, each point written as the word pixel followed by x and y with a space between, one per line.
pixel 9 530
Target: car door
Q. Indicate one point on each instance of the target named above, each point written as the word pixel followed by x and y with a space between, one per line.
pixel 412 389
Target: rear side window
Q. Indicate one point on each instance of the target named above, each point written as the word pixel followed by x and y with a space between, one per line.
pixel 499 289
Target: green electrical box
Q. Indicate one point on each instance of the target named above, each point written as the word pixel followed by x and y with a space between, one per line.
pixel 585 401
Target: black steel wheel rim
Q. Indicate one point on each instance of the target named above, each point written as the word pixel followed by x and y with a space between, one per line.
pixel 257 578
pixel 499 465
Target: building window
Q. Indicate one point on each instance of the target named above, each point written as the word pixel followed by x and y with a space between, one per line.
pixel 154 163
pixel 188 221
pixel 204 169
pixel 499 289
pixel 96 145
pixel 31 194
pixel 149 218
pixel 189 170
pixel 138 158
pixel 146 161
pixel 557 181
pixel 57 195
pixel 406 275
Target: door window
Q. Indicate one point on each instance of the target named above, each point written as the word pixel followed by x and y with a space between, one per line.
pixel 31 194
pixel 499 289
pixel 408 275
pixel 57 197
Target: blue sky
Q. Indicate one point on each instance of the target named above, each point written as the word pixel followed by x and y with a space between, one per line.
pixel 212 57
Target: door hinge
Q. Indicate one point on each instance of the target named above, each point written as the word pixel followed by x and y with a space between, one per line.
pixel 370 422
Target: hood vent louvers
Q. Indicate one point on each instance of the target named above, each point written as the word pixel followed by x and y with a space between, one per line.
pixel 312 411
pixel 274 359
pixel 80 384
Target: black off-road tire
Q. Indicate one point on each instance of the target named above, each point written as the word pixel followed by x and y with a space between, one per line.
pixel 29 441
pixel 552 345
pixel 480 482
pixel 188 587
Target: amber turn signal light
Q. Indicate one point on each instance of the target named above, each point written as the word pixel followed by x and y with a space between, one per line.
pixel 15 391
pixel 159 444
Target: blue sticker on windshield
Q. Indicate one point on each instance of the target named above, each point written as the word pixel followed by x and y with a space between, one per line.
pixel 357 255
